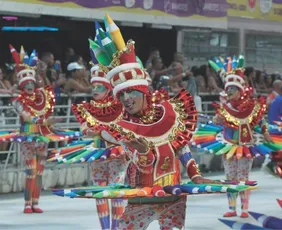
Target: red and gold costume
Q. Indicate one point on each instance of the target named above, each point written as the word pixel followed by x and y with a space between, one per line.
pixel 111 170
pixel 238 118
pixel 164 125
pixel 34 109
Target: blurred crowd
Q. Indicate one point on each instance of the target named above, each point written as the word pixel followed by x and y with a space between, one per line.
pixel 203 78
pixel 72 75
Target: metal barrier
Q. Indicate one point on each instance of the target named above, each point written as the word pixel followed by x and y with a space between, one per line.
pixel 9 120
pixel 13 161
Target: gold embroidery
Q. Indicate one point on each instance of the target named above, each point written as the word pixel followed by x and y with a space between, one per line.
pixel 197 168
pixel 101 105
pixel 245 132
pixel 149 117
pixel 236 121
pixel 92 121
pixel 143 160
pixel 181 115
pixel 166 163
pixel 49 96
pixel 116 56
pixel 165 180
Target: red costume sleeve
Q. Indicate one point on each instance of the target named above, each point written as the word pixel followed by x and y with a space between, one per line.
pixel 264 127
pixel 189 163
pixel 26 115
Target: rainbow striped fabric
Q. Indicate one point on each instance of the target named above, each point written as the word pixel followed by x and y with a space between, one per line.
pixel 55 136
pixel 85 151
pixel 210 138
pixel 127 192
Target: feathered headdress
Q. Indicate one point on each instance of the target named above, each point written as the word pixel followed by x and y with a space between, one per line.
pixel 231 71
pixel 25 65
pixel 117 59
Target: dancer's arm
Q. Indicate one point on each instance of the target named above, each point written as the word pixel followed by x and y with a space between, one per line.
pixel 264 129
pixel 191 166
pixel 30 118
pixel 141 155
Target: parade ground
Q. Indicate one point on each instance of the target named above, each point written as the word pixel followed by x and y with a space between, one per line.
pixel 202 212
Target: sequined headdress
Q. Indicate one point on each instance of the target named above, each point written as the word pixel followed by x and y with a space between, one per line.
pixel 25 65
pixel 231 71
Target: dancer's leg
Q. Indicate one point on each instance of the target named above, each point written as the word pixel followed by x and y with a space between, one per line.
pixel 28 152
pixel 117 171
pixel 244 168
pixel 230 169
pixel 174 215
pixel 42 150
pixel 99 177
pixel 139 216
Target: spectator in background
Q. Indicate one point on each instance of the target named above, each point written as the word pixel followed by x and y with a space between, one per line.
pixel 275 92
pixel 249 76
pixel 77 58
pixel 269 79
pixel 58 84
pixel 80 61
pixel 76 82
pixel 175 80
pixel 5 85
pixel 68 55
pixel 190 82
pixel 159 70
pixel 275 108
pixel 277 76
pixel 178 57
pixel 154 53
pixel 259 83
pixel 11 77
pixel 205 81
pixel 45 71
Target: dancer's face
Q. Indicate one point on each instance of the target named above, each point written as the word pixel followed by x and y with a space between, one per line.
pixel 99 91
pixel 233 93
pixel 29 87
pixel 133 101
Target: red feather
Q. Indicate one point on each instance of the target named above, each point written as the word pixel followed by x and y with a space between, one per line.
pixel 15 54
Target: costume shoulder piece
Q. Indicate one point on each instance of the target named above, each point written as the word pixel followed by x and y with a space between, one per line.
pixel 160 95
pixel 176 121
pixel 95 113
pixel 250 111
pixel 40 103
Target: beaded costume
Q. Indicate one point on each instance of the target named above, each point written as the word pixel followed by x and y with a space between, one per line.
pixel 155 191
pixel 34 106
pixel 239 117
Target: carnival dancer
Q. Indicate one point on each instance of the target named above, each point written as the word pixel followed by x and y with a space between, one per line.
pixel 239 113
pixel 161 131
pixel 34 106
pixel 154 134
pixel 104 109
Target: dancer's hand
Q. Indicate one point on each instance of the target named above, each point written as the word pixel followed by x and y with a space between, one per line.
pixel 53 121
pixel 202 180
pixel 140 144
pixel 267 137
pixel 217 120
pixel 91 133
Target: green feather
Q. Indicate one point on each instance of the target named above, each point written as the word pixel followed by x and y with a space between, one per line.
pixel 241 61
pixel 214 65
